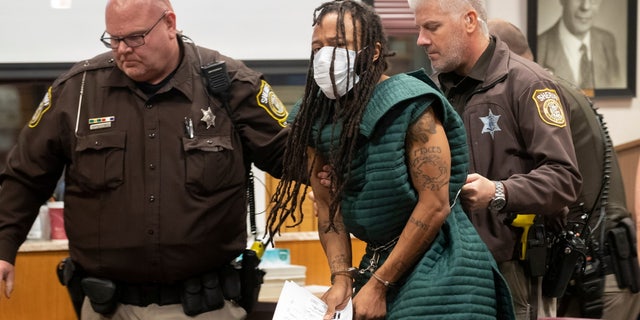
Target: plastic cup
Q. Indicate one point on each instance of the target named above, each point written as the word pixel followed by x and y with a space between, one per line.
pixel 56 217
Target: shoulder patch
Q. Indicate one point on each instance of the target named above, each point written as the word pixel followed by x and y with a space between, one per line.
pixel 44 105
pixel 550 108
pixel 269 101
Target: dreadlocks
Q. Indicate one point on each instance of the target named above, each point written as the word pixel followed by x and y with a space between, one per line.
pixel 343 115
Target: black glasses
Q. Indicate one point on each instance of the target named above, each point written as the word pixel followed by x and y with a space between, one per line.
pixel 132 41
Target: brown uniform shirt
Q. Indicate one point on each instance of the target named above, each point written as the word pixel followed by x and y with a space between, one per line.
pixel 144 202
pixel 517 132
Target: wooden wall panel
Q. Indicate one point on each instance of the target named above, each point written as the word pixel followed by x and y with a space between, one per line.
pixel 37 294
pixel 628 158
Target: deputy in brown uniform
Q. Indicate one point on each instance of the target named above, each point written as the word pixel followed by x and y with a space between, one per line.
pixel 517 132
pixel 155 164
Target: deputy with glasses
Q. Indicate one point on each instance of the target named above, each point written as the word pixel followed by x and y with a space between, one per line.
pixel 155 167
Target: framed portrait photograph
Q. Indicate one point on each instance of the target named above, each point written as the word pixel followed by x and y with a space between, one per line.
pixel 591 43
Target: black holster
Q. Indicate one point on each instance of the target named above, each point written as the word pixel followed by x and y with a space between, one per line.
pixel 586 288
pixel 536 259
pixel 251 277
pixel 102 294
pixel 590 289
pixel 567 253
pixel 70 275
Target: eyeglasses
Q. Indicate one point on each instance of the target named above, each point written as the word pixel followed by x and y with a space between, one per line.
pixel 132 41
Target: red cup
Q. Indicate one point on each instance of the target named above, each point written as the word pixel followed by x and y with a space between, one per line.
pixel 56 217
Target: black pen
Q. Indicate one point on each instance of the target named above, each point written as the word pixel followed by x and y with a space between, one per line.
pixel 188 127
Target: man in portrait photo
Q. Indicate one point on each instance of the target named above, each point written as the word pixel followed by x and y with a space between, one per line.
pixel 575 49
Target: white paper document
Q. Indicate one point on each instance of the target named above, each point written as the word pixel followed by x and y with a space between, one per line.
pixel 297 303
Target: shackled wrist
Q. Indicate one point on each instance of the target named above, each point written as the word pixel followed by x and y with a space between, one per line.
pixel 349 272
pixel 385 283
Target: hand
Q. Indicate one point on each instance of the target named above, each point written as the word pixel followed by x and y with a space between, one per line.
pixel 370 302
pixel 7 276
pixel 325 176
pixel 477 192
pixel 337 296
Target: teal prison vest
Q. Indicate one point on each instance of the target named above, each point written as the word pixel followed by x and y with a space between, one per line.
pixel 457 277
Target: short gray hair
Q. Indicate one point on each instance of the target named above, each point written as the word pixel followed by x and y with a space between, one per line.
pixel 459 6
pixel 456 6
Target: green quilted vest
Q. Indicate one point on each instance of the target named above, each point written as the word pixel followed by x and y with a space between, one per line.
pixel 379 197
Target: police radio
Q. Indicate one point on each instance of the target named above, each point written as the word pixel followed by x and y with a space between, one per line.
pixel 215 74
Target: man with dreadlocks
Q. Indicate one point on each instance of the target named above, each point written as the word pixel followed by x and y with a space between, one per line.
pixel 398 155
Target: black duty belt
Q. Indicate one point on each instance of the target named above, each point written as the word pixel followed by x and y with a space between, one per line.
pixel 143 295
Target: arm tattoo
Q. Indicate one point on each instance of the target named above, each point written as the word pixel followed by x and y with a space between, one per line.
pixel 423 128
pixel 338 227
pixel 426 163
pixel 429 168
pixel 423 226
pixel 420 224
pixel 337 262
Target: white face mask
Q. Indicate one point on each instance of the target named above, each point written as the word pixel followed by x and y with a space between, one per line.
pixel 342 71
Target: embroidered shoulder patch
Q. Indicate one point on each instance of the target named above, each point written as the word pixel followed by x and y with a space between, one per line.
pixel 44 105
pixel 550 108
pixel 269 101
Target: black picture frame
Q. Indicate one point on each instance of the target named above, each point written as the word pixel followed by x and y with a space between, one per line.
pixel 618 17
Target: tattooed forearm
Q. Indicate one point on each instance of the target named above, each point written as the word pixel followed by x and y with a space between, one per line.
pixel 338 227
pixel 338 262
pixel 425 229
pixel 420 224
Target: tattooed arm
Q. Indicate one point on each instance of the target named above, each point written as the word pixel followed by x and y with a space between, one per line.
pixel 429 162
pixel 336 242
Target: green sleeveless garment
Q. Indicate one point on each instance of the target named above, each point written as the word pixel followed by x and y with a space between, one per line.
pixel 457 278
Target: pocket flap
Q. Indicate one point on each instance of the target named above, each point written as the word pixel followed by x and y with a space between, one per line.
pixel 100 141
pixel 214 143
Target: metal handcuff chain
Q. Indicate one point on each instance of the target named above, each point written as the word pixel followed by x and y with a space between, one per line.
pixel 375 258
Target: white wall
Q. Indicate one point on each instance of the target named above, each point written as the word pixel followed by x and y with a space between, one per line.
pixel 32 31
pixel 245 29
